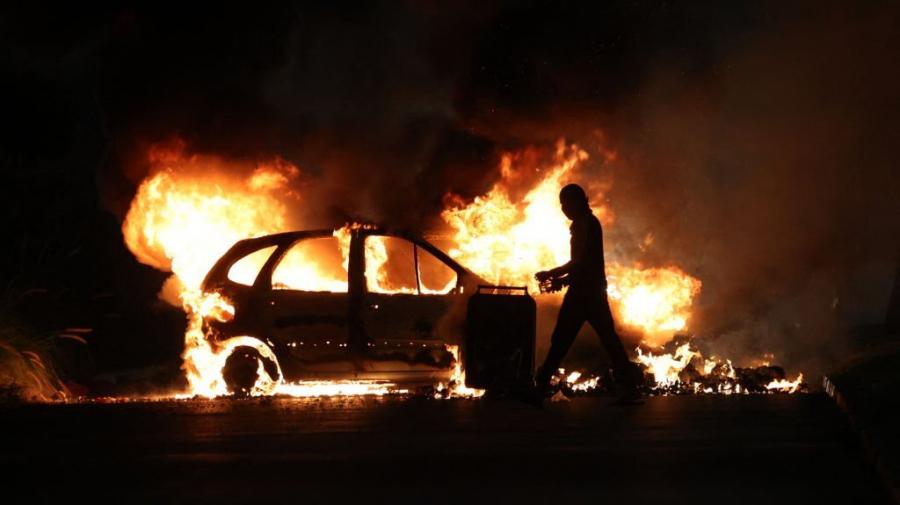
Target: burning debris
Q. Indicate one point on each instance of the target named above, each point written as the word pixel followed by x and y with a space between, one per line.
pixel 686 371
pixel 456 386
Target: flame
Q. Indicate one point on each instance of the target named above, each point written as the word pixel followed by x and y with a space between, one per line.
pixel 298 268
pixel 666 367
pixel 376 268
pixel 204 359
pixel 305 389
pixel 187 215
pixel 575 381
pixel 506 242
pixel 456 387
pixel 655 301
pixel 716 375
pixel 191 200
pixel 711 376
pixel 786 386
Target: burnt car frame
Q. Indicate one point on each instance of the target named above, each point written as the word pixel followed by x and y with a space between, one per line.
pixel 357 334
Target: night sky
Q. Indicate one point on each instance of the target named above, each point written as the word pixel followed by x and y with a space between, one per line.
pixel 756 141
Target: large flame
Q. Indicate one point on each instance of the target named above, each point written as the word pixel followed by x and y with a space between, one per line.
pixel 507 241
pixel 654 301
pixel 185 216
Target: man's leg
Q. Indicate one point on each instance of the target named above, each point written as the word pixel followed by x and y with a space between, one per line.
pixel 570 319
pixel 600 318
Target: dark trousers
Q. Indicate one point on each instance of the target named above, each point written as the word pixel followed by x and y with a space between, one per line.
pixel 578 307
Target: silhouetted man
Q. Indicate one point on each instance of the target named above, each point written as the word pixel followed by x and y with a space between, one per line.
pixel 585 300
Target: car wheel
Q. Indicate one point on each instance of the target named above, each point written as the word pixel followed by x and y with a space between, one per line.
pixel 241 370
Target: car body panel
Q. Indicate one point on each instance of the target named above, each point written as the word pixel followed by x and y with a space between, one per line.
pixel 358 334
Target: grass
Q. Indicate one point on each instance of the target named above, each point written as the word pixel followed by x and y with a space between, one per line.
pixel 26 366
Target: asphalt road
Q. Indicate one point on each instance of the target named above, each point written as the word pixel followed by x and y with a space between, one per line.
pixel 702 449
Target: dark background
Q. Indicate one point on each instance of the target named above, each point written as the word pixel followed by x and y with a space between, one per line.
pixel 756 141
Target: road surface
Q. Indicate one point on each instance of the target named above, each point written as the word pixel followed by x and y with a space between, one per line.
pixel 685 449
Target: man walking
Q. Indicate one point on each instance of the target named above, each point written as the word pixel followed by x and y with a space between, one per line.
pixel 585 300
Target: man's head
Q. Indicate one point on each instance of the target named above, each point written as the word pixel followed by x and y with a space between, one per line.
pixel 574 201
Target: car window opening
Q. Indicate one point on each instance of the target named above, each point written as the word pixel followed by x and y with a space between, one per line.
pixel 312 264
pixel 395 265
pixel 245 270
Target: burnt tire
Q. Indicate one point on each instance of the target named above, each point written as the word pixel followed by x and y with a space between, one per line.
pixel 241 370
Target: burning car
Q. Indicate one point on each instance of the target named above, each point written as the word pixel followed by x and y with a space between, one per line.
pixel 368 302
pixel 362 301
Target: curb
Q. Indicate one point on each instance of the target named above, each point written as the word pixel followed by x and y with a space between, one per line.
pixel 869 449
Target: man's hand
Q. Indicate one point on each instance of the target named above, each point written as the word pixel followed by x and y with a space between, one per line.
pixel 549 281
pixel 543 276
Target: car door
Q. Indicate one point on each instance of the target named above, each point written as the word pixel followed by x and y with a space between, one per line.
pixel 307 308
pixel 408 302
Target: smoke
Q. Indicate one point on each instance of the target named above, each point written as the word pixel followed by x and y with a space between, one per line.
pixel 361 98
pixel 756 153
pixel 772 178
pixel 754 145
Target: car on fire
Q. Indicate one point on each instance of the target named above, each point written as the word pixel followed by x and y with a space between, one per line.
pixel 361 302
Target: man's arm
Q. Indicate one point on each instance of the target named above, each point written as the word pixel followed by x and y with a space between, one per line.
pixel 562 269
pixel 553 273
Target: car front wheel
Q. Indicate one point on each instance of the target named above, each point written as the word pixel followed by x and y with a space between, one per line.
pixel 247 372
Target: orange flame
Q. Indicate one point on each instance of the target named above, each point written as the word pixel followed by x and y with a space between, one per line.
pixel 666 367
pixel 189 213
pixel 786 386
pixel 456 387
pixel 575 381
pixel 506 242
pixel 193 200
pixel 654 301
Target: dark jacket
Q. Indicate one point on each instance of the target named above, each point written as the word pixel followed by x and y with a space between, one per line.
pixel 587 271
